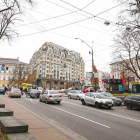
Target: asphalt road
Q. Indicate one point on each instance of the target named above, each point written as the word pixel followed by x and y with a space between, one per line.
pixel 117 123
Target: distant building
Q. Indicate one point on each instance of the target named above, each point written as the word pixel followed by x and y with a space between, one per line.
pixel 6 75
pixel 103 75
pixel 56 65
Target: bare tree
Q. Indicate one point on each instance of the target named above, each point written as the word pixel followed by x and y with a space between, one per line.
pixel 10 11
pixel 20 74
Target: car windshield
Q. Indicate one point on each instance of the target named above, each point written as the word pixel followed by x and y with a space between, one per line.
pixel 108 95
pixel 100 96
pixel 79 92
pixel 16 90
pixel 53 92
pixel 34 90
pixel 29 85
pixel 39 88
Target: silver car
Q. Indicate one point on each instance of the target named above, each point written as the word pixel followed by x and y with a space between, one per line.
pixel 14 93
pixel 51 96
pixel 76 94
pixel 97 99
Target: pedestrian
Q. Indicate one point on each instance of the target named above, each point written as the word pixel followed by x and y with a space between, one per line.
pixel 5 89
pixel 21 89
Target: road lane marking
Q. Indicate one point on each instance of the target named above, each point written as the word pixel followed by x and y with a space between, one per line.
pixel 77 116
pixel 116 115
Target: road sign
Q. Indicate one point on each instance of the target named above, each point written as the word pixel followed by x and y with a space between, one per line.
pixel 2 69
pixel 89 75
pixel 3 65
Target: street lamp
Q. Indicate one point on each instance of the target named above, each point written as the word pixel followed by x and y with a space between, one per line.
pixel 92 60
pixel 128 28
pixel 107 23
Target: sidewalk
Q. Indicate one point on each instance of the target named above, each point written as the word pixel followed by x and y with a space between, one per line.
pixel 38 128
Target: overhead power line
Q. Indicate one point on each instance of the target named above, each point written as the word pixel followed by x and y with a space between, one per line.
pixel 97 14
pixel 88 4
pixel 59 19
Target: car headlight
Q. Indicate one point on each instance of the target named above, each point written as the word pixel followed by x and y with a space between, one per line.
pixel 112 102
pixel 104 102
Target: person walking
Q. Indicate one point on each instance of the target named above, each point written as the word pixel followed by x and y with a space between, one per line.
pixel 5 89
pixel 21 89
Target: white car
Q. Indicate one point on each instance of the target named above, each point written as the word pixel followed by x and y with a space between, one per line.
pixel 76 94
pixel 40 89
pixel 96 99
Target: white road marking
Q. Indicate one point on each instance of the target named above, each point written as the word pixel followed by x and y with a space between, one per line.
pixel 77 116
pixel 116 115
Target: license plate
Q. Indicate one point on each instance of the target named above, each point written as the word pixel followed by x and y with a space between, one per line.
pixel 109 104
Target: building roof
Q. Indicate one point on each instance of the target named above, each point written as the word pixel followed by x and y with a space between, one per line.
pixel 11 61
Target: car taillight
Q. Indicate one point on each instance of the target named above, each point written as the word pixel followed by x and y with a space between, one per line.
pixel 38 93
pixel 20 92
pixel 60 95
pixel 50 95
pixel 12 93
pixel 32 93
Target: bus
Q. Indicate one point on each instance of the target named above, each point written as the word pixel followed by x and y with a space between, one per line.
pixel 26 85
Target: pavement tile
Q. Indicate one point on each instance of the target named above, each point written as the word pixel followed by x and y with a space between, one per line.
pixel 24 116
pixel 36 123
pixel 47 134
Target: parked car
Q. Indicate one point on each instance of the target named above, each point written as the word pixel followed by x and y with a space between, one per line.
pixel 116 101
pixel 51 96
pixel 15 92
pixel 132 101
pixel 40 89
pixel 76 94
pixel 33 93
pixel 71 88
pixel 96 99
pixel 2 90
pixel 62 91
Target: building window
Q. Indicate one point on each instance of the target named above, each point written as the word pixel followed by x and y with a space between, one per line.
pixel 44 54
pixel 47 58
pixel 43 68
pixel 3 78
pixel 8 78
pixel 47 71
pixel 115 74
pixel 47 76
pixel 50 76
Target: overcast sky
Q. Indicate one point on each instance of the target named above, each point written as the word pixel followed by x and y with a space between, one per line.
pixel 88 30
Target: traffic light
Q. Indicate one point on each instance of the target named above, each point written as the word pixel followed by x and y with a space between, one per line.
pixel 6 68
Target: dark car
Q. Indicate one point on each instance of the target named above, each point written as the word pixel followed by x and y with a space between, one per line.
pixel 33 93
pixel 2 90
pixel 132 101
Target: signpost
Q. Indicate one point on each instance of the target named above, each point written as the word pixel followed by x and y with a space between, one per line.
pixel 2 69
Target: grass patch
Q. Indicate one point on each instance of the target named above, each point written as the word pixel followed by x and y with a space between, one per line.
pixel 125 94
pixel 3 136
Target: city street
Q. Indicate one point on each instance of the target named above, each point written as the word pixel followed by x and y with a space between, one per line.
pixel 119 123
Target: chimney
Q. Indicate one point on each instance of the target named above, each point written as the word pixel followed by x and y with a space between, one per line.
pixel 18 58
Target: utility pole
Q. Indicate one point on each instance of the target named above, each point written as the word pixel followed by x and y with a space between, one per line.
pixel 92 60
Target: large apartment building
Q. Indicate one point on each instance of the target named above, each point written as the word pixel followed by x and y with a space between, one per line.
pixel 55 65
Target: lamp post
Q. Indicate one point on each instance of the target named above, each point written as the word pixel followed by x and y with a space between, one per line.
pixel 92 60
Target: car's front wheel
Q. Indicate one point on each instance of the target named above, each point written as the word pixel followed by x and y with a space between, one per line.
pixel 83 102
pixel 78 98
pixel 97 105
pixel 40 100
pixel 129 106
pixel 58 102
